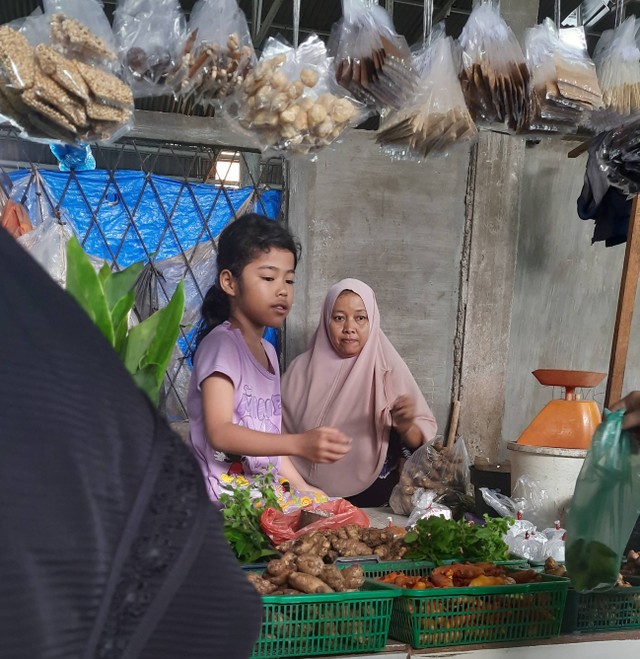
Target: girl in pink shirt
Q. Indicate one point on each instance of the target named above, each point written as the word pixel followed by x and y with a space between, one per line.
pixel 234 402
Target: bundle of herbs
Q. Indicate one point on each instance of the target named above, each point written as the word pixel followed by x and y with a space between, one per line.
pixel 438 539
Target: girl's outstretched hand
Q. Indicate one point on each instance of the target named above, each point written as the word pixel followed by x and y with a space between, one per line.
pixel 323 445
pixel 631 404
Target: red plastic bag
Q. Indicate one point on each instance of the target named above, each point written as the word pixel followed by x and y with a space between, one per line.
pixel 281 527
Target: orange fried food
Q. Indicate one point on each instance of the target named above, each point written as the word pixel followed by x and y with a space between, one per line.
pixel 491 581
pixel 525 576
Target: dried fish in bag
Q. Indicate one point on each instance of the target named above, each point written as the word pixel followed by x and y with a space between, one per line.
pixel 372 61
pixel 290 102
pixel 437 118
pixel 564 84
pixel 150 37
pixel 617 59
pixel 494 75
pixel 219 54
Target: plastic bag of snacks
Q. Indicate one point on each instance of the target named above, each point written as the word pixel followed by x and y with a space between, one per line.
pixel 564 82
pixel 220 53
pixel 494 75
pixel 289 102
pixel 604 507
pixel 617 59
pixel 372 60
pixel 437 118
pixel 60 81
pixel 150 37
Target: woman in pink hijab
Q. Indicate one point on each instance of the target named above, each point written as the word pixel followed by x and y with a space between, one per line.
pixel 353 379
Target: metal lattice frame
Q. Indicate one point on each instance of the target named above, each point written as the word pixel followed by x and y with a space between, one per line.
pixel 185 163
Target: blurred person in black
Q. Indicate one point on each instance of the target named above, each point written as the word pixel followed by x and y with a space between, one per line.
pixel 109 545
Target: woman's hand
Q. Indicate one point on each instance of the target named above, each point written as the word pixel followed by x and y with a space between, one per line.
pixel 403 413
pixel 631 404
pixel 323 445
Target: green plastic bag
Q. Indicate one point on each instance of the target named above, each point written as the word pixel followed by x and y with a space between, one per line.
pixel 604 508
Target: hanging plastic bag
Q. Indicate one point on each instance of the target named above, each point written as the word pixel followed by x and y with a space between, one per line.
pixel 494 75
pixel 425 505
pixel 47 244
pixel 289 101
pixel 434 468
pixel 437 118
pixel 564 82
pixel 604 508
pixel 281 527
pixel 150 36
pixel 532 499
pixel 617 59
pixel 372 61
pixel 220 53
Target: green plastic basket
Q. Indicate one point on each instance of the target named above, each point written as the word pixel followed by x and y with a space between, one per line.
pixel 316 625
pixel 417 568
pixel 462 616
pixel 611 610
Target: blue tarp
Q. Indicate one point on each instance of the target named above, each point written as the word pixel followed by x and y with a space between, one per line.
pixel 151 200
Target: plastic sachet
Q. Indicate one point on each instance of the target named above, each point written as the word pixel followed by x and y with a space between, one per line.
pixel 425 504
pixel 150 37
pixel 617 59
pixel 219 54
pixel 437 118
pixel 372 61
pixel 494 75
pixel 289 102
pixel 564 83
pixel 57 75
pixel 604 508
pixel 618 155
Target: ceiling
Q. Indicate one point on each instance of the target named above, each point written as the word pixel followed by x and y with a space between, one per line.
pixel 272 17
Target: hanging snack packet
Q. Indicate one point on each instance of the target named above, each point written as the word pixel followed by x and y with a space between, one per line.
pixel 494 76
pixel 150 36
pixel 289 102
pixel 57 74
pixel 372 61
pixel 617 59
pixel 220 52
pixel 437 118
pixel 604 508
pixel 564 83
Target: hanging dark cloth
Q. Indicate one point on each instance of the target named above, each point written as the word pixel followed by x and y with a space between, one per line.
pixel 109 546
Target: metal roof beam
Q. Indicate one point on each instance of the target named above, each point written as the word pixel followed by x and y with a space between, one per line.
pixel 269 18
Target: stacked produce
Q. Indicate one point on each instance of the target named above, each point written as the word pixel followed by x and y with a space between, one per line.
pixel 219 54
pixel 372 61
pixel 494 75
pixel 294 574
pixel 437 118
pixel 287 100
pixel 564 82
pixel 64 90
pixel 631 567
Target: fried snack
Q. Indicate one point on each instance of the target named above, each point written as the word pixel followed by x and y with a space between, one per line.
pixel 16 59
pixel 74 37
pixel 105 87
pixel 62 70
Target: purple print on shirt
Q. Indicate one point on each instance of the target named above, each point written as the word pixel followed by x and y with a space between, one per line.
pixel 256 413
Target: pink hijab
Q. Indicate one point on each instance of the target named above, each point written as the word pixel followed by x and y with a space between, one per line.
pixel 354 395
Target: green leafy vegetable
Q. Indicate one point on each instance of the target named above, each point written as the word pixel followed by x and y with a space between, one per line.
pixel 242 509
pixel 438 539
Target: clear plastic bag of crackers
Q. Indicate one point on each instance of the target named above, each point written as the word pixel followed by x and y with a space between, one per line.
pixel 150 37
pixel 290 102
pixel 219 54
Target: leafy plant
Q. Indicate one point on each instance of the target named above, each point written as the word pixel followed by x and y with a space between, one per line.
pixel 108 297
pixel 242 508
pixel 438 539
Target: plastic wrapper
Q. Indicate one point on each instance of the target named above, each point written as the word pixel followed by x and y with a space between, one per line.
pixel 437 118
pixel 280 527
pixel 57 76
pixel 564 82
pixel 604 508
pixel 434 468
pixel 219 53
pixel 150 37
pixel 372 61
pixel 532 499
pixel 530 545
pixel 617 59
pixel 425 505
pixel 74 158
pixel 289 101
pixel 47 244
pixel 494 75
pixel 505 506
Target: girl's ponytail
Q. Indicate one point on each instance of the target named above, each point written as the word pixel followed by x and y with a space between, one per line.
pixel 215 310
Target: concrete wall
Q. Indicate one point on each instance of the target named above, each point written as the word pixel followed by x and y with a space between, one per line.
pixel 397 226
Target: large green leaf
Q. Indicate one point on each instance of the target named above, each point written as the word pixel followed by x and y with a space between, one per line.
pixel 84 285
pixel 152 341
pixel 119 284
pixel 147 379
pixel 120 319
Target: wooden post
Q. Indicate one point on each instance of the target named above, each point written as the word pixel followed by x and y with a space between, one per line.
pixel 626 303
